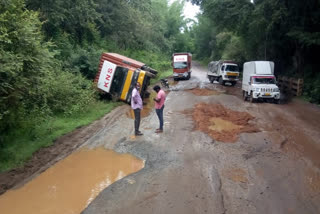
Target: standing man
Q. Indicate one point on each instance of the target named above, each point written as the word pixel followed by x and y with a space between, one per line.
pixel 159 105
pixel 136 105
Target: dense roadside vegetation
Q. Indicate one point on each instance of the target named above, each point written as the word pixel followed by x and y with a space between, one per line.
pixel 49 54
pixel 286 32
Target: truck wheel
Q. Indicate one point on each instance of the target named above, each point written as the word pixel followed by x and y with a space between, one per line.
pixel 189 76
pixel 221 82
pixel 251 99
pixel 276 101
pixel 245 95
pixel 233 83
pixel 211 79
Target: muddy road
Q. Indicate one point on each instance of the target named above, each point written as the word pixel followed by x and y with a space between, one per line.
pixel 273 169
pixel 218 154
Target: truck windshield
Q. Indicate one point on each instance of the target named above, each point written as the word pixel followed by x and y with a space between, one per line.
pixel 180 65
pixel 118 81
pixel 232 68
pixel 264 80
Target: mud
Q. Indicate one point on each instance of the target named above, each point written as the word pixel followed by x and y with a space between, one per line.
pixel 45 157
pixel 203 92
pixel 220 123
pixel 187 172
pixel 236 175
pixel 71 184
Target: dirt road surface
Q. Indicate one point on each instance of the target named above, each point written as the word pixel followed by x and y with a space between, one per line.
pixel 274 170
pixel 270 164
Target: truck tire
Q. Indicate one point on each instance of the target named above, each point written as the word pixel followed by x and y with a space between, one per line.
pixel 244 95
pixel 221 82
pixel 276 101
pixel 233 83
pixel 251 99
pixel 189 76
pixel 211 79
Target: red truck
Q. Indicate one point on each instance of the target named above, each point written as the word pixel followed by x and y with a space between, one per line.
pixel 117 75
pixel 181 63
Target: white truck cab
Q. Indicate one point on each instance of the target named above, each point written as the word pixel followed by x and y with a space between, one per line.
pixel 259 81
pixel 223 71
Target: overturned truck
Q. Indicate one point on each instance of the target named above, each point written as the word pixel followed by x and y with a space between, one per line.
pixel 117 75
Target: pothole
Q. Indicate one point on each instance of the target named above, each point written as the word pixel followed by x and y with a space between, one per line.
pixel 236 175
pixel 203 92
pixel 71 184
pixel 220 123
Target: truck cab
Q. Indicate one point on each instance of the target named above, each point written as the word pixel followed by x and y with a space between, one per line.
pixel 223 71
pixel 181 63
pixel 117 76
pixel 259 81
pixel 229 73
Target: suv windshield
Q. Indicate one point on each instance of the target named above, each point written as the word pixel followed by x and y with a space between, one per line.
pixel 118 80
pixel 180 65
pixel 264 80
pixel 232 68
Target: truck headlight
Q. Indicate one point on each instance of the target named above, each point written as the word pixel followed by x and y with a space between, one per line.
pixel 276 90
pixel 257 89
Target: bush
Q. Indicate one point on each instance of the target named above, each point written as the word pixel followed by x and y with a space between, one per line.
pixel 312 87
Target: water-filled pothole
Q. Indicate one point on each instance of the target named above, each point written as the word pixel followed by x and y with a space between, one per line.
pixel 71 184
pixel 220 123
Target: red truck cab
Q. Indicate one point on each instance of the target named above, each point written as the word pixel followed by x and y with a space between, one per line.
pixel 181 63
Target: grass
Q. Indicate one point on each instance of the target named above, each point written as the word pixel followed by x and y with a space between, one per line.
pixel 21 144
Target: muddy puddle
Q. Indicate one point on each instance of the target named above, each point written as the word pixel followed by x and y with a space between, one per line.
pixel 236 175
pixel 220 123
pixel 203 92
pixel 71 184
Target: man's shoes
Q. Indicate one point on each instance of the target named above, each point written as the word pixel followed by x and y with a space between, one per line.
pixel 138 133
pixel 159 131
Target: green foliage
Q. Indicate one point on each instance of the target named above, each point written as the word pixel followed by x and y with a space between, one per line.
pixel 286 32
pixel 49 55
pixel 24 57
pixel 312 87
pixel 28 139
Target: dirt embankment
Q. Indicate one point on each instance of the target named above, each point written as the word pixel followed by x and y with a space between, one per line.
pixel 220 123
pixel 62 147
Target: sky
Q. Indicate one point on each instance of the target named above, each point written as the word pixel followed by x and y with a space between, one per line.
pixel 190 11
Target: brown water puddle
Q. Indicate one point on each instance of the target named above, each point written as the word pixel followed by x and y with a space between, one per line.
pixel 220 123
pixel 203 92
pixel 71 184
pixel 236 175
